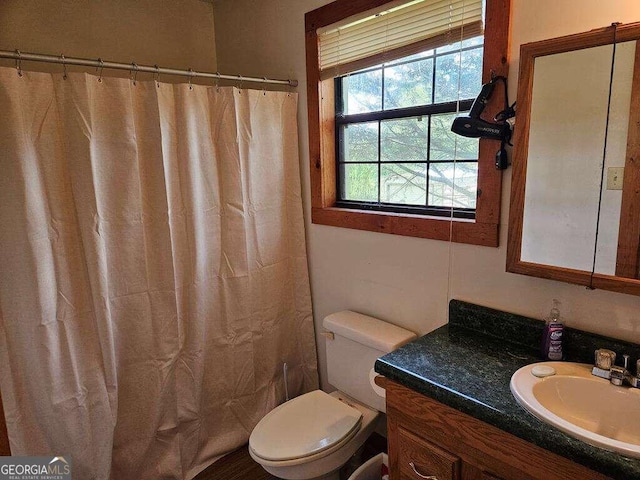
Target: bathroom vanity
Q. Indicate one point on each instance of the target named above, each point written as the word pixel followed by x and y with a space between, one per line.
pixel 451 414
pixel 428 438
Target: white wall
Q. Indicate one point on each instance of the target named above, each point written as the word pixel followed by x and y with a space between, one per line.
pixel 408 280
pixel 170 33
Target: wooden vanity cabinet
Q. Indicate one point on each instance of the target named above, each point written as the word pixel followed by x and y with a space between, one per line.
pixel 429 440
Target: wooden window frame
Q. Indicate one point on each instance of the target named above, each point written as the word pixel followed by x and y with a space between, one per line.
pixel 484 230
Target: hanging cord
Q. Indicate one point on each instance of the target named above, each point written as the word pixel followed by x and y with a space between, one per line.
pixel 604 153
pixel 453 191
pixel 509 111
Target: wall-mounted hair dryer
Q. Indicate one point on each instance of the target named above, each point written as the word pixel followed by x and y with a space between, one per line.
pixel 474 126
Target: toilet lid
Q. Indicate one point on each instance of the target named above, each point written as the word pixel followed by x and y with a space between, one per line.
pixel 304 426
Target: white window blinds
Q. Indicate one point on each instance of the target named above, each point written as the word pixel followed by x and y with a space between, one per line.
pixel 398 30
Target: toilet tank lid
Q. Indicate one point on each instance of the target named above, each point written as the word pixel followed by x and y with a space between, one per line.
pixel 367 330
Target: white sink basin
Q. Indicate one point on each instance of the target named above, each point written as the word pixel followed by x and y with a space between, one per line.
pixel 582 405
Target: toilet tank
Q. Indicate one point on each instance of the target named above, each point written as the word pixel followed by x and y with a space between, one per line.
pixel 357 342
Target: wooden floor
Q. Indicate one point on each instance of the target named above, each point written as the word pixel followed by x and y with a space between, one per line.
pixel 239 465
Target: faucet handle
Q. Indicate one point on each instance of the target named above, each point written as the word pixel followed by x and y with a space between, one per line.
pixel 605 359
pixel 635 381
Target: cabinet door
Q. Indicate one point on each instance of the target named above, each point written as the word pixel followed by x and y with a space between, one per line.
pixel 419 459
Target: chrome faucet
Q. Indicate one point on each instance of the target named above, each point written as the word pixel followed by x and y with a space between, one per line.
pixel 606 368
pixel 620 374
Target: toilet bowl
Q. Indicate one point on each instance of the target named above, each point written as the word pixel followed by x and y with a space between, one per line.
pixel 310 437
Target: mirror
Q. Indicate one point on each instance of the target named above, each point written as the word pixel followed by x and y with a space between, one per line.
pixel 562 225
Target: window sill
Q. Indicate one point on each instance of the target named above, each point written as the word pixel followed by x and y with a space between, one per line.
pixel 436 228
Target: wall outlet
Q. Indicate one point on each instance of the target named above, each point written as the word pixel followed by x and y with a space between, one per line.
pixel 615 176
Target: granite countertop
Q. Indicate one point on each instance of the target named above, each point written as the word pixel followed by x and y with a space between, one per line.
pixel 464 366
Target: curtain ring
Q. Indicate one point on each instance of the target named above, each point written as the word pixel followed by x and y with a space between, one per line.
pixel 19 63
pixel 191 74
pixel 100 68
pixel 133 75
pixel 264 86
pixel 240 79
pixel 218 82
pixel 64 67
pixel 156 76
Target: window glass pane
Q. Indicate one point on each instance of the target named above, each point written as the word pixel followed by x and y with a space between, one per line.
pixel 453 184
pixel 359 182
pixel 403 140
pixel 404 183
pixel 446 145
pixel 416 170
pixel 362 92
pixel 471 42
pixel 360 142
pixel 448 68
pixel 408 84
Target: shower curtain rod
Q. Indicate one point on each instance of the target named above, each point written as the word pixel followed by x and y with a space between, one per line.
pixel 133 67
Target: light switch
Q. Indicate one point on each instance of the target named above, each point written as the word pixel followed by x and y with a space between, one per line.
pixel 615 176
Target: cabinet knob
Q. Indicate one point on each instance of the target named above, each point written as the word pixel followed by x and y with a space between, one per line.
pixel 426 477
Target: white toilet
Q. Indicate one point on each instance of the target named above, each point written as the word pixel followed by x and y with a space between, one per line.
pixel 310 437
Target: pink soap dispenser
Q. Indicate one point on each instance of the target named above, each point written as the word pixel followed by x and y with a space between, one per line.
pixel 553 334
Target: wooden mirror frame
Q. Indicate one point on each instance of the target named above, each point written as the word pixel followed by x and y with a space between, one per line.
pixel 630 212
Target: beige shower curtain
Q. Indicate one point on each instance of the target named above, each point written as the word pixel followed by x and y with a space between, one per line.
pixel 153 275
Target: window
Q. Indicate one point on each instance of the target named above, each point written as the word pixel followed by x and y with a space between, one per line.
pixel 395 149
pixel 380 146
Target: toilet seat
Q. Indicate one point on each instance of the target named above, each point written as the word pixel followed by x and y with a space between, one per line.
pixel 311 425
